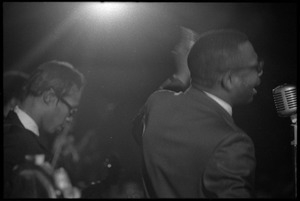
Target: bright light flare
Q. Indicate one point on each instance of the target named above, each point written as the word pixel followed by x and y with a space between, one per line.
pixel 105 9
pixel 112 7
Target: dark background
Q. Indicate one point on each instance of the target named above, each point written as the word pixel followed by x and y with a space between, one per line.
pixel 126 56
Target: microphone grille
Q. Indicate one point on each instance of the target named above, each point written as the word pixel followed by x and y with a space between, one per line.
pixel 285 98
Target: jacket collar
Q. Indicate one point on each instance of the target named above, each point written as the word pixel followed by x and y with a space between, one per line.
pixel 202 96
pixel 27 121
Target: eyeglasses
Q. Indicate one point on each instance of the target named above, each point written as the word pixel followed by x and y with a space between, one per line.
pixel 259 67
pixel 72 110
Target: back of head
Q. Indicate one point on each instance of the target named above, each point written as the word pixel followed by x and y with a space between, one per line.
pixel 214 53
pixel 13 82
pixel 57 75
pixel 13 85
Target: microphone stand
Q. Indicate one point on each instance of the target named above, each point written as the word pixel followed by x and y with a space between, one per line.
pixel 294 143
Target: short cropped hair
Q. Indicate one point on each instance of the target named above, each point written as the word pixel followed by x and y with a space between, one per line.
pixel 13 83
pixel 57 75
pixel 213 54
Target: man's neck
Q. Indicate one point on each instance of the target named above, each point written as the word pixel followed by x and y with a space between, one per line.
pixel 216 92
pixel 31 108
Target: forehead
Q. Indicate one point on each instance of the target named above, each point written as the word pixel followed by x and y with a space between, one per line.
pixel 247 53
pixel 74 95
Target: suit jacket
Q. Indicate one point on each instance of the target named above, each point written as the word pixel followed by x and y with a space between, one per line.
pixel 191 148
pixel 19 142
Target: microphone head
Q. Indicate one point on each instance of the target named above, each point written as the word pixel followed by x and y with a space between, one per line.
pixel 285 98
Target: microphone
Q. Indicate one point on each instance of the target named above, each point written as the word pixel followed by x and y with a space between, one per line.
pixel 285 98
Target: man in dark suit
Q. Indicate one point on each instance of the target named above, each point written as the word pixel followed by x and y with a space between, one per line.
pixel 191 147
pixel 51 97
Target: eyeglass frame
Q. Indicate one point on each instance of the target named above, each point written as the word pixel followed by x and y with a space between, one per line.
pixel 258 67
pixel 72 110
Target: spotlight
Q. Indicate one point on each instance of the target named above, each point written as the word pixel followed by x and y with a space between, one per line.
pixel 104 9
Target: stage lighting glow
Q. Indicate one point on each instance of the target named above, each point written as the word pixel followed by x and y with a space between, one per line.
pixel 112 7
pixel 105 9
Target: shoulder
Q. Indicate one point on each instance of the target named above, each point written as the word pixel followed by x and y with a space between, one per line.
pixel 174 84
pixel 12 124
pixel 13 128
pixel 18 140
pixel 15 131
pixel 163 94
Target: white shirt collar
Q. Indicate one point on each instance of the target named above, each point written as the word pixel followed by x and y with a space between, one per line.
pixel 27 121
pixel 225 105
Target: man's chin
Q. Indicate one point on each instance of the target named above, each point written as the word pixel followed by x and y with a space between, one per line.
pixel 58 130
pixel 246 101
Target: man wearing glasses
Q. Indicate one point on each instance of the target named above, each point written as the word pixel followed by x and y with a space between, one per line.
pixel 50 99
pixel 191 147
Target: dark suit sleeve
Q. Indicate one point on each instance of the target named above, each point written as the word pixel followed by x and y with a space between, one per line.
pixel 18 143
pixel 173 84
pixel 138 125
pixel 230 172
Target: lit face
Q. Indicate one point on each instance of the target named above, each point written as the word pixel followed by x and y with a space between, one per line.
pixel 248 75
pixel 63 111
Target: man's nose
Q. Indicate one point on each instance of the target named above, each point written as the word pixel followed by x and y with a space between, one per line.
pixel 69 119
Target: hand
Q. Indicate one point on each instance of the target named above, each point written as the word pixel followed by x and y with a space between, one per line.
pixel 188 39
pixel 63 183
pixel 181 50
pixel 72 192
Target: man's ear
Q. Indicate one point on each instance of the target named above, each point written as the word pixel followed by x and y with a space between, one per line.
pixel 229 81
pixel 49 96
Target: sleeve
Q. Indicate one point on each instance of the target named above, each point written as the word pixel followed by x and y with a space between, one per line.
pixel 230 172
pixel 138 125
pixel 173 84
